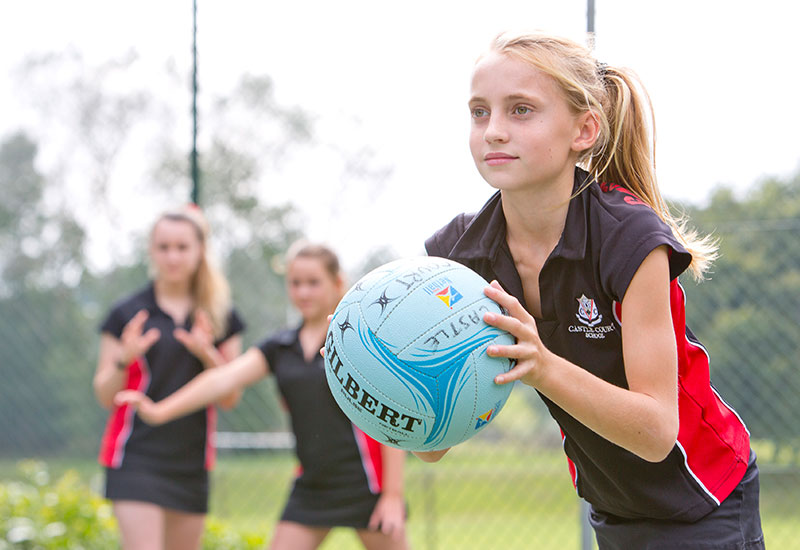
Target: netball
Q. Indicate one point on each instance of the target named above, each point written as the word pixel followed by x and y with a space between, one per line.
pixel 405 354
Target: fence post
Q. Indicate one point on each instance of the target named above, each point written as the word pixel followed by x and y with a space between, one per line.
pixel 587 538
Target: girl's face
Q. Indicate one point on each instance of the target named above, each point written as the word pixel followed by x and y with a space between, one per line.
pixel 175 250
pixel 523 133
pixel 312 288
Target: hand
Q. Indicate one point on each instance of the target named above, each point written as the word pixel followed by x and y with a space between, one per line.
pixel 143 405
pixel 200 340
pixel 322 349
pixel 430 456
pixel 389 516
pixel 134 343
pixel 529 352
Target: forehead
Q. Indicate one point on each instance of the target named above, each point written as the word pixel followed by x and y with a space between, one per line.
pixel 503 74
pixel 167 228
pixel 305 266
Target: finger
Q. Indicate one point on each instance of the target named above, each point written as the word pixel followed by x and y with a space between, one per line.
pixel 514 351
pixel 503 322
pixel 137 322
pixel 202 320
pixel 128 397
pixel 374 521
pixel 322 351
pixel 506 300
pixel 150 337
pixel 517 373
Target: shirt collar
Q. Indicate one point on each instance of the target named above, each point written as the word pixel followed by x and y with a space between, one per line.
pixel 485 235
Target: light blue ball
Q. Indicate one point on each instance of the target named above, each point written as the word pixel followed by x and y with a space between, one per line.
pixel 405 354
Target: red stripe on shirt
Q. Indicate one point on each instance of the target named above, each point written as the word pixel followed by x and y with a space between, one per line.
pixel 371 459
pixel 211 437
pixel 712 437
pixel 120 421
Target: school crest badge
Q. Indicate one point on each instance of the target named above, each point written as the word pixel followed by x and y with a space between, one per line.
pixel 587 312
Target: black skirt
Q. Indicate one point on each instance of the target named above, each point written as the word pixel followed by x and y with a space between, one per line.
pixel 329 508
pixel 734 525
pixel 186 493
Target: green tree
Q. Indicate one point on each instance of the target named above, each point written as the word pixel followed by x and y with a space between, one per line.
pixel 748 314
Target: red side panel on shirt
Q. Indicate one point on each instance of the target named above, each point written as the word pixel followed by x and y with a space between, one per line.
pixel 371 459
pixel 714 440
pixel 211 437
pixel 120 421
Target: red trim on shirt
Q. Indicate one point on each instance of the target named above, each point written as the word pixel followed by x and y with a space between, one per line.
pixel 120 421
pixel 371 459
pixel 211 437
pixel 714 440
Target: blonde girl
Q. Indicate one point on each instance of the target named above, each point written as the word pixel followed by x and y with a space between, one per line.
pixel 584 254
pixel 155 341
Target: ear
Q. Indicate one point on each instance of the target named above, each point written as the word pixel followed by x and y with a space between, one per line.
pixel 587 130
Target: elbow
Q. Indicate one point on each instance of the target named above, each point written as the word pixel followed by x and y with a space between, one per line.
pixel 662 444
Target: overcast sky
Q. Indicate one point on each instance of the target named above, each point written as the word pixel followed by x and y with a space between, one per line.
pixel 395 76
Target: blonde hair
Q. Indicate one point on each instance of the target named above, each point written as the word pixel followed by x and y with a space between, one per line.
pixel 624 152
pixel 209 287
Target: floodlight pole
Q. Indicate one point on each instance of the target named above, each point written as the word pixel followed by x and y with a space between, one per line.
pixel 195 198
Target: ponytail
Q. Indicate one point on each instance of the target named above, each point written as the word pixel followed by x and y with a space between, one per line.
pixel 624 152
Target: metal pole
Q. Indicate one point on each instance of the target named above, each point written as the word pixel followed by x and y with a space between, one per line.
pixel 194 164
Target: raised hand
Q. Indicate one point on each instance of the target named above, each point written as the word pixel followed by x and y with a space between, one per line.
pixel 133 342
pixel 200 339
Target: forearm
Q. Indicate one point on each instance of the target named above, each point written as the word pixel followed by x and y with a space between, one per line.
pixel 227 352
pixel 107 382
pixel 201 391
pixel 393 470
pixel 635 421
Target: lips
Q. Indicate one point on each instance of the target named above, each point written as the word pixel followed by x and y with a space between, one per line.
pixel 498 159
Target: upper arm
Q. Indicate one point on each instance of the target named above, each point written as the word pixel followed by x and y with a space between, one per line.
pixel 648 337
pixel 109 351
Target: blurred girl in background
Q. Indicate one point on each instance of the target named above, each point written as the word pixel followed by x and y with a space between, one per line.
pixel 345 479
pixel 155 341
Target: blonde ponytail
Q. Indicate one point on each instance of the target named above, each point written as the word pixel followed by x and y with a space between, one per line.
pixel 624 153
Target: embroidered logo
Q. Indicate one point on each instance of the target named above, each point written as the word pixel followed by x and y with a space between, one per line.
pixel 587 312
pixel 590 319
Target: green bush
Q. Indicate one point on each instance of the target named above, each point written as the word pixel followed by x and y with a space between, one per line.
pixel 36 514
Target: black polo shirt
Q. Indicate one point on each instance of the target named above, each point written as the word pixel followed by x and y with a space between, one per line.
pixel 182 445
pixel 337 459
pixel 607 235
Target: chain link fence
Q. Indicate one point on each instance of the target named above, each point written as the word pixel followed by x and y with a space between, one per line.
pixel 508 488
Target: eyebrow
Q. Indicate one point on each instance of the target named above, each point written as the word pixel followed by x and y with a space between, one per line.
pixel 512 97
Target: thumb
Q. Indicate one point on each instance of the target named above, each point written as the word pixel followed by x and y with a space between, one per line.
pixel 128 397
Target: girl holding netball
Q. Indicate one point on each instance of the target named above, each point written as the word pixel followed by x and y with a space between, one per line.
pixel 346 479
pixel 584 255
pixel 155 341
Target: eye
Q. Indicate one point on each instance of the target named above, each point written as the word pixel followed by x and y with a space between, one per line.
pixel 479 112
pixel 522 110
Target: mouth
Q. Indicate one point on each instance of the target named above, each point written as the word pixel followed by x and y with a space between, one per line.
pixel 497 159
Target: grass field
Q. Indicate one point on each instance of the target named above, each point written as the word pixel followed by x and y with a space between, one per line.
pixel 481 496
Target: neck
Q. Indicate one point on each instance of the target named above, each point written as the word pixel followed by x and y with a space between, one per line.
pixel 166 289
pixel 316 324
pixel 538 214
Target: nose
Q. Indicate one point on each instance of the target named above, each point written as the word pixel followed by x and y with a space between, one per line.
pixel 496 131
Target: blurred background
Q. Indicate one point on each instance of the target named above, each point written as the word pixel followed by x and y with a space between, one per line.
pixel 347 123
